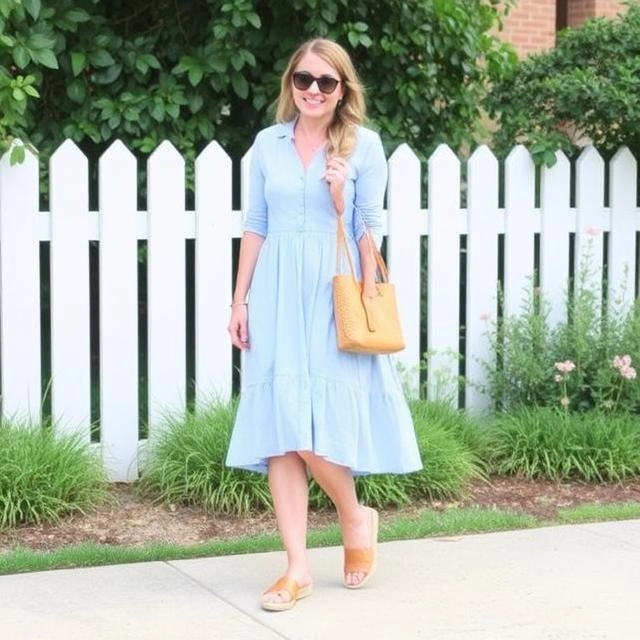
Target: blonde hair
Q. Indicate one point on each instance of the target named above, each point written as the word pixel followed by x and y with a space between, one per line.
pixel 349 113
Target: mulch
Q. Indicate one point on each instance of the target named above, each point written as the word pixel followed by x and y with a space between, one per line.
pixel 129 520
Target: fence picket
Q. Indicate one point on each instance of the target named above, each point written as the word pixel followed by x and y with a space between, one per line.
pixel 403 253
pixel 166 289
pixel 19 287
pixel 443 275
pixel 518 229
pixel 70 349
pixel 482 272
pixel 590 219
pixel 622 268
pixel 214 233
pixel 118 312
pixel 554 236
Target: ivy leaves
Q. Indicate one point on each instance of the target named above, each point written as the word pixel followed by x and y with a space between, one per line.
pixel 31 38
pixel 191 72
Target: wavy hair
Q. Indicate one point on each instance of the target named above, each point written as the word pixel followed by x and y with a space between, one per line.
pixel 351 110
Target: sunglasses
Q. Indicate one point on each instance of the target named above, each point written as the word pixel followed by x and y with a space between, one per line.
pixel 302 80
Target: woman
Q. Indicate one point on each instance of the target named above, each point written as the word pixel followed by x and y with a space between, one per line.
pixel 305 405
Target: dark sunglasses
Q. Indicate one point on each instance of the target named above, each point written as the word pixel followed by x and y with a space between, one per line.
pixel 302 80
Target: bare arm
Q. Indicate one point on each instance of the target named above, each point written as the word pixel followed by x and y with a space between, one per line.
pixel 250 246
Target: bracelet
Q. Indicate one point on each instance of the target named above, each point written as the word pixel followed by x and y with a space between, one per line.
pixel 238 304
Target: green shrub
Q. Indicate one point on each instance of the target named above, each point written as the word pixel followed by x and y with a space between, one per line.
pixel 45 475
pixel 160 70
pixel 186 464
pixel 586 87
pixel 449 446
pixel 556 444
pixel 375 490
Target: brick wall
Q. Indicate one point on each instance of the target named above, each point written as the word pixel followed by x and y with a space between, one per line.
pixel 531 24
pixel 580 10
pixel 609 8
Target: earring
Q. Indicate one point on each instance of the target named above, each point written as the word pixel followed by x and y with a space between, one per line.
pixel 339 103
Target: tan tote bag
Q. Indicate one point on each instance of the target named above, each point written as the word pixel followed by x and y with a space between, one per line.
pixel 363 324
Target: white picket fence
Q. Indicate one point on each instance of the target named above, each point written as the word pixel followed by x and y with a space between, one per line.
pixel 118 225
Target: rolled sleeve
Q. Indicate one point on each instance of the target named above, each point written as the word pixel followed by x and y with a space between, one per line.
pixel 256 215
pixel 370 185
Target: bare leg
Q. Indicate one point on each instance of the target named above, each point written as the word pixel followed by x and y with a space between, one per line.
pixel 290 492
pixel 337 482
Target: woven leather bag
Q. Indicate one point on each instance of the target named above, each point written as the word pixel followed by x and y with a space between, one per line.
pixel 363 324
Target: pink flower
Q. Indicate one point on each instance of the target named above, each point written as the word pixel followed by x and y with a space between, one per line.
pixel 564 402
pixel 485 316
pixel 565 367
pixel 628 373
pixel 622 362
pixel 592 231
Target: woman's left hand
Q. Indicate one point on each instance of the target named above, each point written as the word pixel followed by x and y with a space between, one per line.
pixel 336 176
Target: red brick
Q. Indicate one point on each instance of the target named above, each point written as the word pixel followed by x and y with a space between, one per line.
pixel 531 24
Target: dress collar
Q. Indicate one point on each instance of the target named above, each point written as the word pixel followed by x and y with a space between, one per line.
pixel 286 130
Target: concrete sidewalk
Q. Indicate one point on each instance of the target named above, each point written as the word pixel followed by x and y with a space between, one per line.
pixel 563 583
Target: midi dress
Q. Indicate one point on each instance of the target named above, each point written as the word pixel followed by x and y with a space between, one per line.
pixel 298 391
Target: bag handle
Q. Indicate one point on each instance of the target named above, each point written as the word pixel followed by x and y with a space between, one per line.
pixel 369 304
pixel 343 247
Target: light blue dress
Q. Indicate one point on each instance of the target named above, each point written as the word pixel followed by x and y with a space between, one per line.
pixel 299 392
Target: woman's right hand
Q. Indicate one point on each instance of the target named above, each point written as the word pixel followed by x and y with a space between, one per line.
pixel 239 327
pixel 336 176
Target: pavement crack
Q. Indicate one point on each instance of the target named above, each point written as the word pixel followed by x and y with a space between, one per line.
pixel 228 602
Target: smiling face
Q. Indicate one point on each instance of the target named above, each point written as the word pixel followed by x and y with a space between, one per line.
pixel 311 102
